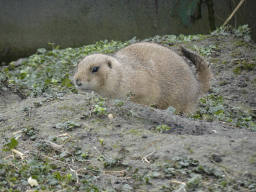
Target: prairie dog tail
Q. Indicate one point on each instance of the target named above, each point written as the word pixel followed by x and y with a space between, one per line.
pixel 202 68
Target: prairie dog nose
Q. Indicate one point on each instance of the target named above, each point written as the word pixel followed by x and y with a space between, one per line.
pixel 78 82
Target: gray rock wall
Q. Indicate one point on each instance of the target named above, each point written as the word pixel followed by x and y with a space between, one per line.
pixel 28 25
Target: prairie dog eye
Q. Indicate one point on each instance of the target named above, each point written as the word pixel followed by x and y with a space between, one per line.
pixel 109 64
pixel 95 69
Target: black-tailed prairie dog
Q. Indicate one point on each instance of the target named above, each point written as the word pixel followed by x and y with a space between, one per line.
pixel 154 74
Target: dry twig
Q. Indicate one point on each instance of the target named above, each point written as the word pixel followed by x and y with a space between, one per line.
pixel 144 159
pixel 232 14
pixel 19 153
pixel 54 146
pixel 77 179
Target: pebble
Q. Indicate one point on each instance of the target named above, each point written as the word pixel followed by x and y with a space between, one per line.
pixel 127 187
pixel 156 175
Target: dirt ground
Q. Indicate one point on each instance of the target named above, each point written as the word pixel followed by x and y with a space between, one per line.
pixel 132 138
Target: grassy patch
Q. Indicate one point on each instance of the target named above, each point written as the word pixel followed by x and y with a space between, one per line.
pixel 162 128
pixel 244 65
pixel 52 173
pixel 166 39
pixel 134 131
pixel 242 43
pixel 242 32
pixel 205 50
pixel 224 62
pixel 68 125
pixel 213 108
pixel 215 60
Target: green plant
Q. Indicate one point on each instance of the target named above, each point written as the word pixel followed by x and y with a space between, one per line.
pixel 99 110
pixel 244 65
pixel 119 103
pixel 30 131
pixel 191 151
pixel 68 125
pixel 16 172
pixel 11 144
pixel 212 107
pixel 147 180
pixel 194 182
pixel 38 104
pixel 112 163
pixel 223 30
pixel 162 128
pixel 205 50
pixel 102 142
pixel 173 38
pixel 237 70
pixel 171 109
pixel 242 31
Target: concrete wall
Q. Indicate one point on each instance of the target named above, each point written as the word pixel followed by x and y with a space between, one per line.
pixel 28 25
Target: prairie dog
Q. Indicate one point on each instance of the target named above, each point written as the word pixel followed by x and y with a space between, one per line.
pixel 153 73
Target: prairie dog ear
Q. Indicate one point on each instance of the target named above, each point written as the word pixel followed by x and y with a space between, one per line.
pixel 109 64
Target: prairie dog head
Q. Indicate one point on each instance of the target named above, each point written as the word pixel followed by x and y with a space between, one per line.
pixel 96 73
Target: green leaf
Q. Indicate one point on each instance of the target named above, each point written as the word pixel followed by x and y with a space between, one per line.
pixel 66 82
pixel 41 50
pixel 53 181
pixel 10 145
pixel 219 112
pixel 57 176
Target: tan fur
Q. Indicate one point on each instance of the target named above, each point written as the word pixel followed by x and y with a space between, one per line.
pixel 154 73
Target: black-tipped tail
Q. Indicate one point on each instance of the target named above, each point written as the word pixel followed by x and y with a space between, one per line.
pixel 202 67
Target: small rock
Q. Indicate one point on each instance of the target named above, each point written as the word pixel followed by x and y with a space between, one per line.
pixel 33 137
pixel 110 116
pixel 46 95
pixel 156 169
pixel 171 109
pixel 216 158
pixel 156 175
pixel 20 61
pixel 32 182
pixel 64 154
pixel 4 89
pixel 83 134
pixel 24 182
pixel 127 187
